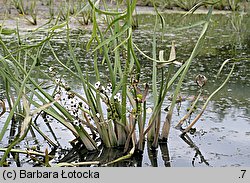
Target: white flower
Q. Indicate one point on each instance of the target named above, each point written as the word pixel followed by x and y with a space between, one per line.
pixel 109 87
pixel 102 89
pixel 98 115
pixel 149 110
pixel 72 101
pixel 107 91
pixel 85 107
pixel 51 69
pixel 118 97
pixel 57 96
pixel 57 81
pixel 97 84
pixel 76 122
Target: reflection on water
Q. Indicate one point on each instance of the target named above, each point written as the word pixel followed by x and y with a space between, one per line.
pixel 106 155
pixel 225 125
pixel 198 155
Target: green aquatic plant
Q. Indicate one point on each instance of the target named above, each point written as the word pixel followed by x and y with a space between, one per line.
pixel 111 108
pixel 159 3
pixel 84 13
pixel 19 82
pixel 234 4
pixel 51 5
pixel 19 6
pixel 28 10
pixel 186 4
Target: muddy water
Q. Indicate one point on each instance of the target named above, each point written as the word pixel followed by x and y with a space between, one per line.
pixel 222 134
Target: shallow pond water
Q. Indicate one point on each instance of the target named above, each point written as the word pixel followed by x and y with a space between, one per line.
pixel 223 131
pixel 222 134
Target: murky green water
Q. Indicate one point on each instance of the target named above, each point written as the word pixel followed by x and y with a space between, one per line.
pixel 223 132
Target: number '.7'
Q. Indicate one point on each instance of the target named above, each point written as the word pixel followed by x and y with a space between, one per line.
pixel 243 173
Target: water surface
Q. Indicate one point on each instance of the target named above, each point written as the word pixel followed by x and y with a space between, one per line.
pixel 222 134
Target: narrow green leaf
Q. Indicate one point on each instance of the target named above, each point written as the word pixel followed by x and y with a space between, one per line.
pixel 121 32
